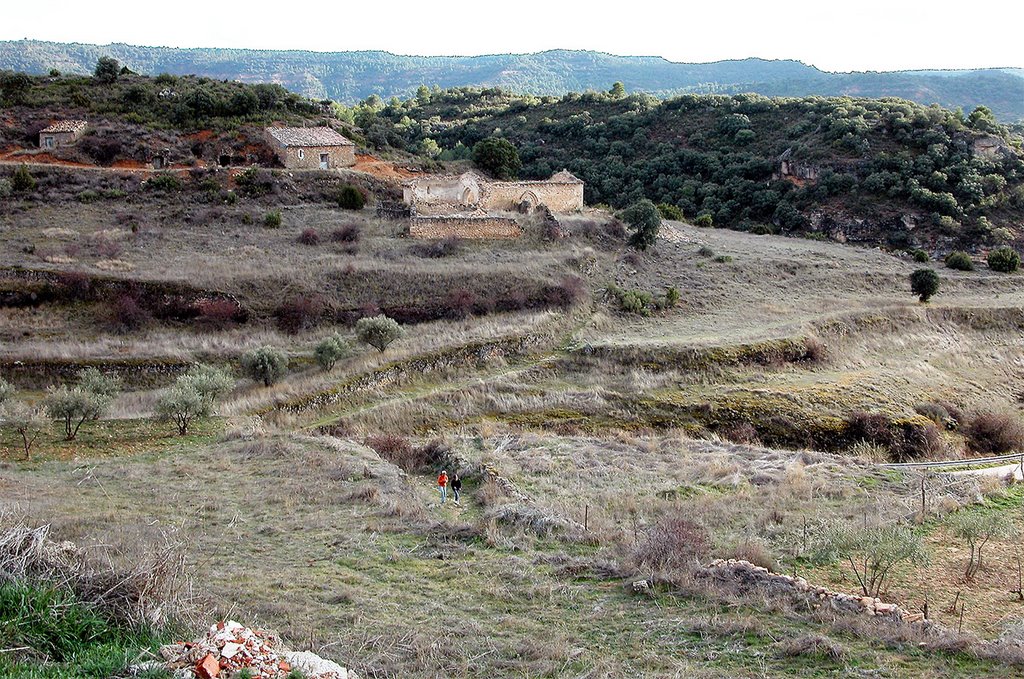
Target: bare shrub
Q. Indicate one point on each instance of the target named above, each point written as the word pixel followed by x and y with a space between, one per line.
pixel 753 551
pixel 995 432
pixel 570 291
pixel 674 542
pixel 741 432
pixel 436 249
pixel 298 313
pixel 349 233
pixel 309 237
pixel 126 313
pixel 151 592
pixel 811 646
pixel 399 451
pixel 220 314
pixel 815 350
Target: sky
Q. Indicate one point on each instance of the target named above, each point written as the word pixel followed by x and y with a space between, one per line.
pixel 880 35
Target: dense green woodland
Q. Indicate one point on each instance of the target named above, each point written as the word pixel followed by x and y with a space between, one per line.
pixel 719 155
pixel 352 76
pixel 714 157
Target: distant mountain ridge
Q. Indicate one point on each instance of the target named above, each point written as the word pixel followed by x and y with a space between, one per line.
pixel 352 76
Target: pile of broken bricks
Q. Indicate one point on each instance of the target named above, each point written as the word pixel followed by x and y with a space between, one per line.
pixel 229 648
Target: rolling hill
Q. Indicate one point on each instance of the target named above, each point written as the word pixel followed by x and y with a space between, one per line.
pixel 352 76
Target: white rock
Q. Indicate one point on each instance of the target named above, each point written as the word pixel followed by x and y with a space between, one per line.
pixel 230 650
pixel 313 665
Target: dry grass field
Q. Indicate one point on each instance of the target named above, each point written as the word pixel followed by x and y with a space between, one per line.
pixel 578 425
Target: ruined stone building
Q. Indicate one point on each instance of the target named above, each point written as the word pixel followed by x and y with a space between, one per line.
pixel 311 148
pixel 472 193
pixel 61 133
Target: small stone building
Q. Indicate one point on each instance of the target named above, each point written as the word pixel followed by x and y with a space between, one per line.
pixel 311 148
pixel 468 192
pixel 61 133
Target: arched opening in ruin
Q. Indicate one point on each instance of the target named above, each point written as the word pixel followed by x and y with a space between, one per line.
pixel 528 202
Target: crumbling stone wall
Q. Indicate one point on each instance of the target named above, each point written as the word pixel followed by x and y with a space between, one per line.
pixel 464 227
pixel 448 195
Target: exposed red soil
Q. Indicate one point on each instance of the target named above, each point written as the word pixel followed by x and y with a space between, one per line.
pixel 381 169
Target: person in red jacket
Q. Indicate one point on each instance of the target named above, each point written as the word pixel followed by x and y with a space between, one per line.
pixel 442 485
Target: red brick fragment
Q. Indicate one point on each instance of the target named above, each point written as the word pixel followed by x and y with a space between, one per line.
pixel 208 667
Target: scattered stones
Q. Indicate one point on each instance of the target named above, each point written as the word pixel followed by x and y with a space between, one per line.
pixel 229 647
pixel 743 575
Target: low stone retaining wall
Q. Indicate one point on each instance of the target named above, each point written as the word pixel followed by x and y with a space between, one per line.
pixel 464 227
pixel 743 576
pixel 399 371
pixel 142 372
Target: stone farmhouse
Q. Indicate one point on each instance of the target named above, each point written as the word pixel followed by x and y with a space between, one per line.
pixel 471 192
pixel 61 133
pixel 311 148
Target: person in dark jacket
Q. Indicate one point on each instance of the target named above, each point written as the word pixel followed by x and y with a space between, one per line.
pixel 456 484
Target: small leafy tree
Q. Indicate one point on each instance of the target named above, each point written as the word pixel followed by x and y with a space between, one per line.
pixel 330 350
pixel 976 529
pixel 924 283
pixel 618 90
pixel 209 382
pixel 872 553
pixel 266 364
pixel 497 156
pixel 1005 260
pixel 183 404
pixel 25 421
pixel 107 69
pixel 379 332
pixel 644 220
pixel 193 396
pixel 95 382
pixel 73 406
pixel 672 297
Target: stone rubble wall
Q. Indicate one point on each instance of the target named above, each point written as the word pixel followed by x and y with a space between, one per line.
pixel 510 195
pixel 744 576
pixel 464 227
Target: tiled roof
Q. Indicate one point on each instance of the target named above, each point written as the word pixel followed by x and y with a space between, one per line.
pixel 308 136
pixel 66 126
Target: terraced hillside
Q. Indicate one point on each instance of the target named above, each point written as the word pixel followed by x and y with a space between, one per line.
pixel 593 420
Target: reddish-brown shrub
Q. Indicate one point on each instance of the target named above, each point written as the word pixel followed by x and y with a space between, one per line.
pixel 461 304
pixel 995 432
pixel 349 233
pixel 221 313
pixel 127 314
pixel 309 237
pixel 74 285
pixel 298 313
pixel 400 452
pixel 569 292
pixel 870 427
pixel 106 248
pixel 674 542
pixel 814 350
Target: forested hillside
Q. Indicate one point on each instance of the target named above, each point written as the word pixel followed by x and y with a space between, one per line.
pixel 850 168
pixel 351 76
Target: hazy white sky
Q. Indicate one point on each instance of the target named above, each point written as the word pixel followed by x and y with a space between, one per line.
pixel 839 36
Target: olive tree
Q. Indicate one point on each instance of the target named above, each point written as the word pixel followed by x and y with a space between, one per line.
pixel 73 406
pixel 266 364
pixel 379 331
pixel 6 391
pixel 25 421
pixel 330 350
pixel 107 69
pixel 193 396
pixel 976 529
pixel 873 552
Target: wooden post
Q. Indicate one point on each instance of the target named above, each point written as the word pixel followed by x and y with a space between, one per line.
pixel 960 625
pixel 586 517
pixel 924 503
pixel 925 607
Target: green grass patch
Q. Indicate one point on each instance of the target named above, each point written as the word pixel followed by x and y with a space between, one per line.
pixel 47 633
